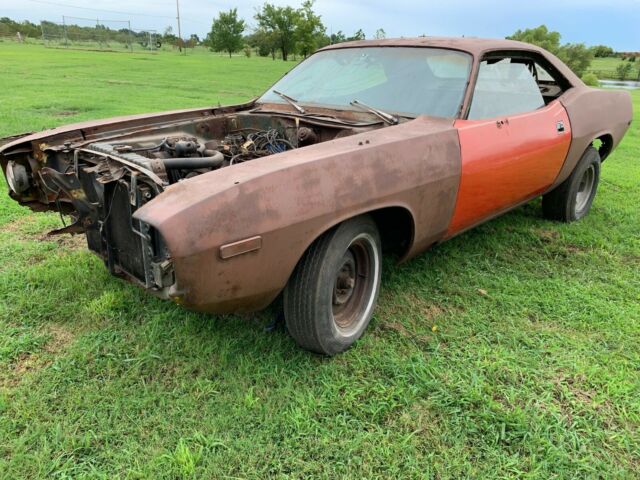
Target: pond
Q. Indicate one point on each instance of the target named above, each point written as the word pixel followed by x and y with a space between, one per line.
pixel 626 84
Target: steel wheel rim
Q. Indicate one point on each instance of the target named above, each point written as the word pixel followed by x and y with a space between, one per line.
pixel 355 284
pixel 585 188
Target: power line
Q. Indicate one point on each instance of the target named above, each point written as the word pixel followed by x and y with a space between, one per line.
pixel 57 4
pixel 133 14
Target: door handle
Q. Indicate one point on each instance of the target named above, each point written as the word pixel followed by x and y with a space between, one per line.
pixel 501 123
pixel 560 126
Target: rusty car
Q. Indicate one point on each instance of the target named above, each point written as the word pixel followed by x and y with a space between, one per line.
pixel 391 145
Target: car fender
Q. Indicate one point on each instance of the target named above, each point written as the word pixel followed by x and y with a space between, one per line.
pixel 289 199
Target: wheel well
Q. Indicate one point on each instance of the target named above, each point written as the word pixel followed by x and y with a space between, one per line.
pixel 396 228
pixel 603 144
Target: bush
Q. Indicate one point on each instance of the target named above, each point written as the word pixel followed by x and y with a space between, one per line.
pixel 591 79
pixel 247 51
pixel 623 70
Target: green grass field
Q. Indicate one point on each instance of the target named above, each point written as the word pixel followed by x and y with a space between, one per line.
pixel 605 68
pixel 510 351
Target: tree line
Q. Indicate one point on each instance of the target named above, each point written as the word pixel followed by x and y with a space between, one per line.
pixel 282 30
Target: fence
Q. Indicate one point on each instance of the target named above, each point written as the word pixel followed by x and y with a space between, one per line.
pixel 612 74
pixel 98 34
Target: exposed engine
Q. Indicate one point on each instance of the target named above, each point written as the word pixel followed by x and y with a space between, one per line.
pixel 101 180
pixel 179 157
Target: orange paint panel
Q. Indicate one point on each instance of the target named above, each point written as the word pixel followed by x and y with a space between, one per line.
pixel 508 160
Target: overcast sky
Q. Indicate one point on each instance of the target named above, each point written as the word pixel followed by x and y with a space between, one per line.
pixel 613 22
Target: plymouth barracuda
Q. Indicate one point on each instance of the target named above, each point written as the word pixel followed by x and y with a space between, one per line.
pixel 364 147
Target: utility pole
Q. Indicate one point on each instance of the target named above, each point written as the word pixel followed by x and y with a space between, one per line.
pixel 179 30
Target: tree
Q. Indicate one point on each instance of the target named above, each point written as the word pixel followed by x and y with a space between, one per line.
pixel 168 36
pixel 359 35
pixel 265 42
pixel 576 55
pixel 338 37
pixel 226 32
pixel 623 70
pixel 380 34
pixel 309 29
pixel 540 36
pixel 281 22
pixel 601 51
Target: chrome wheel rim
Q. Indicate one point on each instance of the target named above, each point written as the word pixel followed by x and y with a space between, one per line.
pixel 585 188
pixel 355 284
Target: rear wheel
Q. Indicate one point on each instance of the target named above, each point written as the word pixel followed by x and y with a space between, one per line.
pixel 572 199
pixel 332 293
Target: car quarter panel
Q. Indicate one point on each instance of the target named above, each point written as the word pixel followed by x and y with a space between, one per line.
pixel 594 113
pixel 290 199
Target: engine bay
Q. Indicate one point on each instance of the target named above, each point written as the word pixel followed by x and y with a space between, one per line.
pixel 175 154
pixel 102 179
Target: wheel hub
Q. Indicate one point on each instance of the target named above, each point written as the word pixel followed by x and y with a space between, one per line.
pixel 585 188
pixel 345 280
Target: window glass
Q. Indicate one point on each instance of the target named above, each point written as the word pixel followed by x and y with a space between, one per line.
pixel 405 80
pixel 543 75
pixel 504 87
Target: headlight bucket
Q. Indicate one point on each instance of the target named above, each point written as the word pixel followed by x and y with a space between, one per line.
pixel 17 177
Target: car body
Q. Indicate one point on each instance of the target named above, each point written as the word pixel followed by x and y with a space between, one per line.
pixel 458 136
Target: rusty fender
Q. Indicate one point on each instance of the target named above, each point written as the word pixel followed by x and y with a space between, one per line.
pixel 594 113
pixel 289 199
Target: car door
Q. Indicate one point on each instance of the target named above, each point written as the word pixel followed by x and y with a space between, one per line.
pixel 513 145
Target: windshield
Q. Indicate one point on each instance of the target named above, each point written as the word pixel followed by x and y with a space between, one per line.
pixel 405 80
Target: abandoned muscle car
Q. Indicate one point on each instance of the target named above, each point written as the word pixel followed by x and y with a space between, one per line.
pixel 394 144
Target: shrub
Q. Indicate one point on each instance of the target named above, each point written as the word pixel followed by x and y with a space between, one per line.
pixel 623 70
pixel 591 79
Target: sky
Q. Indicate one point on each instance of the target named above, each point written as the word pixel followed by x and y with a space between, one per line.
pixel 615 23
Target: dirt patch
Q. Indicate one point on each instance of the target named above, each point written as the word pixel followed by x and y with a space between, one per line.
pixel 13 227
pixel 571 248
pixel 580 394
pixel 66 113
pixel 547 236
pixel 413 305
pixel 17 229
pixel 70 242
pixel 30 363
pixel 401 330
pixel 123 82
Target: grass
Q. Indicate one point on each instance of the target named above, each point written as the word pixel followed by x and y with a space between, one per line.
pixel 510 351
pixel 605 68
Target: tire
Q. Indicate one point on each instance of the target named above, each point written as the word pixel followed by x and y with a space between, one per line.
pixel 572 199
pixel 330 298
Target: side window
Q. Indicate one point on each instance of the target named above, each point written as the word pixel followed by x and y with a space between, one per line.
pixel 505 86
pixel 550 86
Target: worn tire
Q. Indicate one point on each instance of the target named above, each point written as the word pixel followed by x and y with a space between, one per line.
pixel 330 298
pixel 570 201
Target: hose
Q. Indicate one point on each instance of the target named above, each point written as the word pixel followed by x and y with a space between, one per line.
pixel 193 163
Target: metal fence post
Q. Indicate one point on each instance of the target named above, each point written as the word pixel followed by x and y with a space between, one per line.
pixel 64 31
pixel 129 37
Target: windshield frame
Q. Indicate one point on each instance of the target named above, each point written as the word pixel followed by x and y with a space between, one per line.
pixel 348 108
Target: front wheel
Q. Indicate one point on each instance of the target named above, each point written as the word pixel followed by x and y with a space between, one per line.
pixel 332 293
